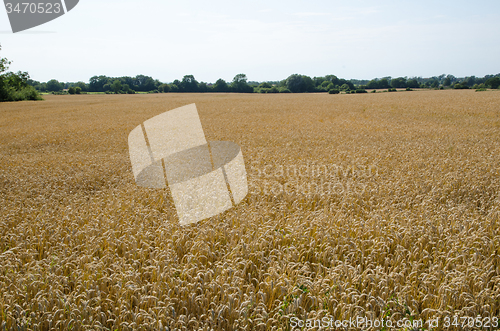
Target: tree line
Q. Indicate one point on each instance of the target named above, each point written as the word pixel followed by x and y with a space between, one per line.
pixel 295 83
pixel 19 86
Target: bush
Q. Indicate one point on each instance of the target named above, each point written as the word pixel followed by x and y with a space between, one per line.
pixel 78 90
pixel 360 90
pixel 273 89
pixel 333 91
pixel 26 93
pixel 130 92
pixel 374 91
pixel 284 90
pixel 392 89
pixel 409 89
pixel 71 90
pixel 481 89
pixel 460 86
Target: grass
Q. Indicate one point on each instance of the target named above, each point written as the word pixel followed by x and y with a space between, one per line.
pixel 411 228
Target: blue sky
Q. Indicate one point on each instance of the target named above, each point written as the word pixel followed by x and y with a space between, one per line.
pixel 267 40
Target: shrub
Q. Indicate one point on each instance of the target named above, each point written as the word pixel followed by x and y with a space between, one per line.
pixel 273 89
pixel 481 89
pixel 460 86
pixel 71 90
pixel 333 91
pixel 360 90
pixel 25 93
pixel 409 89
pixel 130 91
pixel 78 90
pixel 494 82
pixel 374 91
pixel 284 90
pixel 391 89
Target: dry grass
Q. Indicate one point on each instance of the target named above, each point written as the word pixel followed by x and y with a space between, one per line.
pixel 411 228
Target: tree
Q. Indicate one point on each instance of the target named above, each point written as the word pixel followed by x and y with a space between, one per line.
pixel 384 83
pixel 4 63
pixel 117 86
pixel 494 82
pixel 221 86
pixel 189 84
pixel 82 86
pixel 126 88
pixel 174 87
pixel 202 87
pixel 96 83
pixel 15 86
pixel 78 90
pixel 53 85
pixel 240 85
pixel 300 83
pixel 71 90
pixel 399 82
pixel 412 83
pixel 164 88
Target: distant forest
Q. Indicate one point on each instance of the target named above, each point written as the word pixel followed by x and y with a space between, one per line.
pixel 293 84
pixel 19 86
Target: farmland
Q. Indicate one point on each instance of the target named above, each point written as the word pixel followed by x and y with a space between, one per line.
pixel 381 205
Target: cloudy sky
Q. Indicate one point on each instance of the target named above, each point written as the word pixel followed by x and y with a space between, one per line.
pixel 267 40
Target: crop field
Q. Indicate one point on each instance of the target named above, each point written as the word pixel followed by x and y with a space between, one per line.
pixel 367 206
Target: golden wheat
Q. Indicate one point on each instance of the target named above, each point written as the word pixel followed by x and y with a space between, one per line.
pixel 379 205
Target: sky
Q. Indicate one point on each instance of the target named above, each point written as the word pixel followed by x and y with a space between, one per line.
pixel 266 40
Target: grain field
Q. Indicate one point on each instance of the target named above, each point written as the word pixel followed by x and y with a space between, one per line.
pixel 371 206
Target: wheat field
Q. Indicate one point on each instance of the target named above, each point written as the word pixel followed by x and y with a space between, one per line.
pixel 380 205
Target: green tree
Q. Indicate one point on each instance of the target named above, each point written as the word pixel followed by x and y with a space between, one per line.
pixel 53 85
pixel 96 83
pixel 4 63
pixel 72 90
pixel 494 82
pixel 117 86
pixel 82 86
pixel 164 88
pixel 189 84
pixel 221 86
pixel 412 83
pixel 240 85
pixel 174 87
pixel 399 82
pixel 300 83
pixel 78 90
pixel 202 87
pixel 15 86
